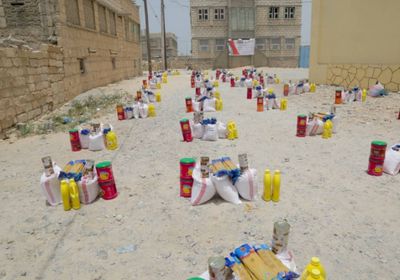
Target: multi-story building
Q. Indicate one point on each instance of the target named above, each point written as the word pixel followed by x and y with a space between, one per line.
pixel 72 46
pixel 155 45
pixel 275 25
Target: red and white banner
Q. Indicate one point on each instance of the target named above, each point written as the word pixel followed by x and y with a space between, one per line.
pixel 241 47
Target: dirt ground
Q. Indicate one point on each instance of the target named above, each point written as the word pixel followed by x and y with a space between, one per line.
pixel 336 211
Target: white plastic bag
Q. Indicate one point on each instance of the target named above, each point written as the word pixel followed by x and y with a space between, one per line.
pixel 392 161
pixel 84 138
pixel 221 127
pixel 96 142
pixel 88 189
pixel 196 106
pixel 51 186
pixel 203 188
pixel 306 87
pixel 314 127
pixel 226 189
pixel 248 83
pixel 210 132
pixel 198 130
pixel 247 184
pixel 143 110
pixel 135 107
pixel 209 105
pixel 335 123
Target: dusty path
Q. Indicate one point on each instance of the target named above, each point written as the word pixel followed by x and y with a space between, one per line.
pixel 337 212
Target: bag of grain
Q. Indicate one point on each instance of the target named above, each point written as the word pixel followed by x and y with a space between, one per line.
pixel 203 189
pixel 247 184
pixel 209 105
pixel 96 142
pixel 88 189
pixel 210 132
pixel 392 160
pixel 226 189
pixel 221 127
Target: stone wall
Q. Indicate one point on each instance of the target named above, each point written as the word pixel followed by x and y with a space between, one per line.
pixel 364 75
pixel 31 83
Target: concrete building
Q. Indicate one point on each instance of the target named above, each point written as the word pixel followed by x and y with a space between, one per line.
pixel 355 43
pixel 275 24
pixel 155 45
pixel 71 46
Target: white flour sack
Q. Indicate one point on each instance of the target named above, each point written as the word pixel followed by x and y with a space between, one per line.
pixel 209 105
pixel 88 189
pixel 96 142
pixel 315 127
pixel 226 189
pixel 247 184
pixel 392 161
pixel 196 106
pixel 143 110
pixel 198 130
pixel 203 188
pixel 135 107
pixel 210 132
pixel 221 127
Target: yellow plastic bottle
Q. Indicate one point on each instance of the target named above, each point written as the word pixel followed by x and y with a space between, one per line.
pixel 217 95
pixel 158 96
pixel 267 195
pixel 330 128
pixel 164 80
pixel 216 83
pixel 152 110
pixel 325 133
pixel 315 263
pixel 111 141
pixel 313 87
pixel 218 104
pixel 315 274
pixel 64 188
pixel 283 104
pixel 364 95
pixel 158 85
pixel 277 81
pixel 276 186
pixel 74 194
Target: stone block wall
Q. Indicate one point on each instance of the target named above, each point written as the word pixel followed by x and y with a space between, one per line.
pixel 31 83
pixel 364 75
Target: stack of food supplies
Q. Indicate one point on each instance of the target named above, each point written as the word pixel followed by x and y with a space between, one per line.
pixel 225 178
pixel 351 95
pixel 377 90
pixel 142 107
pixel 207 102
pixel 315 123
pixel 209 129
pixel 95 138
pixel 391 164
pixel 59 184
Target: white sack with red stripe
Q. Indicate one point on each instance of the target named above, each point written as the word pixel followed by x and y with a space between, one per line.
pixel 247 184
pixel 203 188
pixel 226 189
pixel 50 186
pixel 88 189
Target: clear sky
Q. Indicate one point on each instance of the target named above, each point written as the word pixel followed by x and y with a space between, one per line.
pixel 177 17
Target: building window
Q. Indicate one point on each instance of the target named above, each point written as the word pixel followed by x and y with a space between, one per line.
pixel 113 29
pixel 241 19
pixel 260 43
pixel 273 12
pixel 203 45
pixel 289 12
pixel 102 19
pixel 275 44
pixel 113 63
pixel 203 14
pixel 290 42
pixel 219 45
pixel 88 8
pixel 219 14
pixel 72 11
pixel 135 31
pixel 82 66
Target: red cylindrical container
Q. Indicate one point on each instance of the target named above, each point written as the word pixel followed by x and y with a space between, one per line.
pixel 378 150
pixel 189 105
pixel 106 180
pixel 149 77
pixel 74 139
pixel 260 104
pixel 223 78
pixel 375 167
pixel 186 166
pixel 249 93
pixel 145 83
pixel 192 83
pixel 186 187
pixel 198 91
pixel 218 74
pixel 251 76
pixel 120 112
pixel 262 81
pixel 285 89
pixel 186 131
pixel 232 82
pixel 338 96
pixel 301 125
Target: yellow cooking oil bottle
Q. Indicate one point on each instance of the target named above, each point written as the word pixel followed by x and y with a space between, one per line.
pixel 267 195
pixel 152 110
pixel 315 274
pixel 158 96
pixel 364 95
pixel 64 188
pixel 111 140
pixel 74 194
pixel 276 186
pixel 315 263
pixel 330 128
pixel 325 132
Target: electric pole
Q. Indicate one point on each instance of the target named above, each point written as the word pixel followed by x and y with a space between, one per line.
pixel 163 37
pixel 148 38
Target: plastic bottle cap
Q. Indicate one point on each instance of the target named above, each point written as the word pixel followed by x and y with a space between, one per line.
pixel 277 171
pixel 267 171
pixel 315 260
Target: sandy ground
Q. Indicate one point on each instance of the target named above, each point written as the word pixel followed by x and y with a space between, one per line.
pixel 336 211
